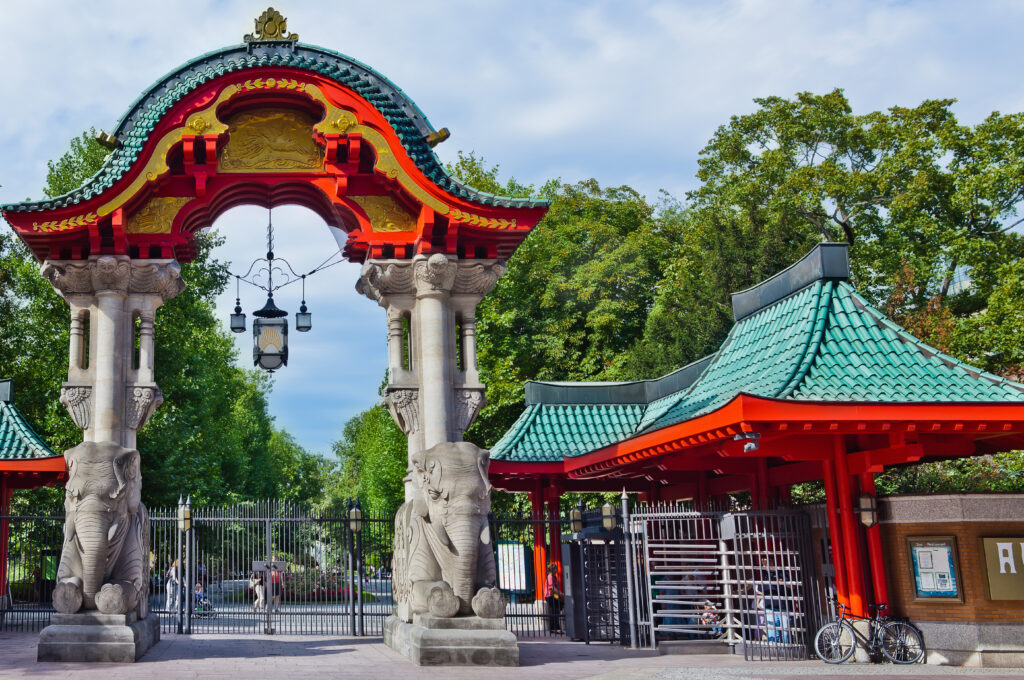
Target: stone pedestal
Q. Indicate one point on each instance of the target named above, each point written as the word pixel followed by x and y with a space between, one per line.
pixel 95 637
pixel 461 641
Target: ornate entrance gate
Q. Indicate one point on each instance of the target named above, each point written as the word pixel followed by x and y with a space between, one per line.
pixel 267 122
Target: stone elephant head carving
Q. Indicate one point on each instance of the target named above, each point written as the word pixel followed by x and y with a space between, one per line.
pixel 104 561
pixel 443 535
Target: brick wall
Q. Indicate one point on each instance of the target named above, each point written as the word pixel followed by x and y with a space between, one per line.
pixel 976 606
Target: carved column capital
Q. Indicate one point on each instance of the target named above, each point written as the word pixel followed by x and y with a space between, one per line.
pixel 141 401
pixel 434 275
pixel 77 399
pixel 468 402
pixel 114 274
pixel 403 403
pixel 477 277
pixel 381 279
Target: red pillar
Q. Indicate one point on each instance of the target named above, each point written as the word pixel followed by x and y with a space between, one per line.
pixel 555 526
pixel 5 509
pixel 702 490
pixel 785 494
pixel 539 558
pixel 878 579
pixel 851 542
pixel 835 536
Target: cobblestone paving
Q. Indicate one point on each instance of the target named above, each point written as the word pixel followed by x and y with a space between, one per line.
pixel 292 658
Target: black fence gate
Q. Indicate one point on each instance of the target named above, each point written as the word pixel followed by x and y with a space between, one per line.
pixel 271 567
pixel 322 573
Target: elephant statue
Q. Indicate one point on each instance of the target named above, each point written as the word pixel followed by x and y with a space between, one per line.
pixel 443 553
pixel 104 563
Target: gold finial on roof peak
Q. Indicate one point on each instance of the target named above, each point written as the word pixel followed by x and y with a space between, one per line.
pixel 271 27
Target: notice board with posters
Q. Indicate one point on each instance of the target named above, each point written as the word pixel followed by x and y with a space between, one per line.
pixel 936 569
pixel 1004 563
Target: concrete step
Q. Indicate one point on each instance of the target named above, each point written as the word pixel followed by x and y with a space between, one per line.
pixel 693 647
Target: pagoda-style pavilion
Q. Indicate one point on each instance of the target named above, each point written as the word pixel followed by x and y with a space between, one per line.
pixel 812 384
pixel 26 462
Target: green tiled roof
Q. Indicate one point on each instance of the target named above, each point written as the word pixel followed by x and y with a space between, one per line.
pixel 823 342
pixel 18 441
pixel 134 128
pixel 547 432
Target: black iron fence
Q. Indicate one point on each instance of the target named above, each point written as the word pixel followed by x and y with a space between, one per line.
pixel 745 579
pixel 32 555
pixel 270 567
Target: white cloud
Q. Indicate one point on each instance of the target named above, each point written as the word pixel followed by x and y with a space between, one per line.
pixel 624 92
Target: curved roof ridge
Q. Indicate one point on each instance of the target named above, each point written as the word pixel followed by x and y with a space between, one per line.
pixel 405 117
pixel 814 339
pixel 514 434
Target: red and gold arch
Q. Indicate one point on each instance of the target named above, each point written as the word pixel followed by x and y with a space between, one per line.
pixel 268 123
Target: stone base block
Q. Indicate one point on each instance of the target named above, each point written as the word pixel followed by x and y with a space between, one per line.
pixel 95 637
pixel 460 641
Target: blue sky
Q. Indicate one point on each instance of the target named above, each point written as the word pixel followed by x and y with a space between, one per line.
pixel 627 93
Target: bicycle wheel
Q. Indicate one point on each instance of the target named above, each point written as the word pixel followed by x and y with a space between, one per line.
pixel 901 642
pixel 835 642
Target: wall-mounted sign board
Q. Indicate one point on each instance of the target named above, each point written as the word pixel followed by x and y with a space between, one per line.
pixel 1004 562
pixel 935 567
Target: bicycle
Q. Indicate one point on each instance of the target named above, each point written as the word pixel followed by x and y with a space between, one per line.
pixel 899 641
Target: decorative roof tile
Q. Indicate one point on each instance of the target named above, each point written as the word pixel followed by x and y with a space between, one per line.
pixel 821 343
pixel 18 441
pixel 134 128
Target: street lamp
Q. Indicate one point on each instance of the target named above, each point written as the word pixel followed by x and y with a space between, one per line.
pixel 355 517
pixel 184 514
pixel 608 519
pixel 867 508
pixel 270 337
pixel 576 518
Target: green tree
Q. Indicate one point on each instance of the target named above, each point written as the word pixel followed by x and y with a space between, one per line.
pixel 919 197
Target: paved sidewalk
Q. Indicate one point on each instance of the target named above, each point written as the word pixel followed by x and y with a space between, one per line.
pixel 294 658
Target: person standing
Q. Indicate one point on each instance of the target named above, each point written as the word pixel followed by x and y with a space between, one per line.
pixel 275 586
pixel 173 587
pixel 553 596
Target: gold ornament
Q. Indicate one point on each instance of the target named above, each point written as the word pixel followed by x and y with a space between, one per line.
pixel 65 224
pixel 385 213
pixel 156 216
pixel 270 27
pixel 271 140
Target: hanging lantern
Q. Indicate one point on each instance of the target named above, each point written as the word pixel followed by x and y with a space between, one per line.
pixel 270 337
pixel 303 318
pixel 238 318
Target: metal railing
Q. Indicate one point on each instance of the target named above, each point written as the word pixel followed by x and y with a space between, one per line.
pixel 740 578
pixel 328 580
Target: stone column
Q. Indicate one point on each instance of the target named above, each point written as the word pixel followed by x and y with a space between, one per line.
pixel 435 349
pixel 432 401
pixel 108 397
